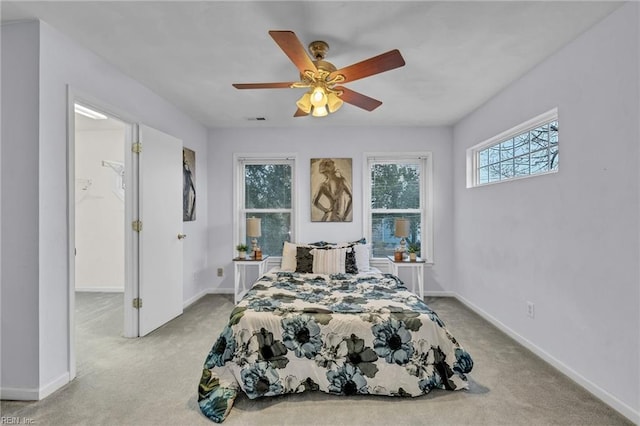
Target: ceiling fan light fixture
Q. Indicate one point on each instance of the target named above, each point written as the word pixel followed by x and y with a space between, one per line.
pixel 304 103
pixel 322 79
pixel 320 111
pixel 318 97
pixel 333 102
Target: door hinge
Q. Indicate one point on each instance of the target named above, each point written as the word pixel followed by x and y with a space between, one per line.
pixel 137 225
pixel 137 303
pixel 136 148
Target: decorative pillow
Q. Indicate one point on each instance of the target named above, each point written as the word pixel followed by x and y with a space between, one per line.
pixel 329 261
pixel 289 252
pixel 304 260
pixel 362 257
pixel 350 266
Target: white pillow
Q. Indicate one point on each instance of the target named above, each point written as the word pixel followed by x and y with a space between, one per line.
pixel 329 261
pixel 362 257
pixel 289 251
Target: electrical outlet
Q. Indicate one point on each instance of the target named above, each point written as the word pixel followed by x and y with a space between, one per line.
pixel 531 310
pixel 220 272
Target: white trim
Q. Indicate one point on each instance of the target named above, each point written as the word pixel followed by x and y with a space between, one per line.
pixel 588 385
pixel 472 152
pixel 71 233
pixel 19 394
pixel 34 394
pixel 53 386
pixel 195 298
pixel 99 289
pixel 221 290
pixel 440 293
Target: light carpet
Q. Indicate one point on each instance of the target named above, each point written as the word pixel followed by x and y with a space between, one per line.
pixel 153 380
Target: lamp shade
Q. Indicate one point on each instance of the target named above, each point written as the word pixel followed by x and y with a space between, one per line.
pixel 320 111
pixel 318 97
pixel 254 227
pixel 304 103
pixel 333 102
pixel 401 228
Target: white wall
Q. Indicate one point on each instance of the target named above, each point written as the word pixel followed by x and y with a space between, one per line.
pixel 99 211
pixel 20 210
pixel 346 142
pixel 40 64
pixel 567 242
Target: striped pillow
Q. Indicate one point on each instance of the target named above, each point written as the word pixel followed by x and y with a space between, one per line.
pixel 329 261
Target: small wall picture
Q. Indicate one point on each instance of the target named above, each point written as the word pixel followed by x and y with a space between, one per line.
pixel 331 193
pixel 188 185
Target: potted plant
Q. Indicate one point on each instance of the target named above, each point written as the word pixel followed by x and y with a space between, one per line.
pixel 242 250
pixel 413 249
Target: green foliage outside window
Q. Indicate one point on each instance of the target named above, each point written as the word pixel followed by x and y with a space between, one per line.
pixel 395 193
pixel 268 197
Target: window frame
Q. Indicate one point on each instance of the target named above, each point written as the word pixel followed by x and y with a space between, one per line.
pixel 239 224
pixel 425 160
pixel 473 160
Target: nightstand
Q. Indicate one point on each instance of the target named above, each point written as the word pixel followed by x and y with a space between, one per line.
pixel 417 270
pixel 240 274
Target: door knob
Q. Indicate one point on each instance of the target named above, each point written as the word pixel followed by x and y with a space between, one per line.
pixel 182 236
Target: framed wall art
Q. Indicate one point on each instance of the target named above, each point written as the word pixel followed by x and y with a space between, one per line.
pixel 331 193
pixel 188 185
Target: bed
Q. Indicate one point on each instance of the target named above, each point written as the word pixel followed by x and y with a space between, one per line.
pixel 327 325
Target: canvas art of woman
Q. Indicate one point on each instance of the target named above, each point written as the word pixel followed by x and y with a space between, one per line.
pixel 332 199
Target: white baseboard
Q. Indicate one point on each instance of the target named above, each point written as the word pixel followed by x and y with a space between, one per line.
pixel 591 387
pixel 19 394
pixel 203 293
pixel 100 289
pixel 220 291
pixel 439 293
pixel 194 299
pixel 31 394
pixel 54 385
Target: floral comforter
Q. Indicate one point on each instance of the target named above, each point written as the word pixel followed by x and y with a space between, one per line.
pixel 342 334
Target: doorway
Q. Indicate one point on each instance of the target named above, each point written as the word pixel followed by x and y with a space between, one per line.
pixel 143 180
pixel 99 202
pixel 99 230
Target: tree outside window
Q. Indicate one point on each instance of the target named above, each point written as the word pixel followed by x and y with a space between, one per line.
pixel 268 196
pixel 526 150
pixel 396 191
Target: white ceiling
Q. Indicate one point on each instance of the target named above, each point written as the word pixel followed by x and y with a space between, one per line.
pixel 458 54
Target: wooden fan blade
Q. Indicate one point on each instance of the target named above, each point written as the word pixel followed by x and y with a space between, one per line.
pixel 358 99
pixel 300 113
pixel 381 63
pixel 291 46
pixel 283 85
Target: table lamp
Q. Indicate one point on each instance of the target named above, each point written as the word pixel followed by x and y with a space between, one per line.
pixel 254 230
pixel 402 231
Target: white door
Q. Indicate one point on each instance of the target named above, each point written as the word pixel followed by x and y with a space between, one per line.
pixel 160 210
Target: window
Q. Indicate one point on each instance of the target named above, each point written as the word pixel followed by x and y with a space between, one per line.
pixel 526 150
pixel 398 187
pixel 265 190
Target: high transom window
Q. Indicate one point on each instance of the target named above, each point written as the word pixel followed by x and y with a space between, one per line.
pixel 526 150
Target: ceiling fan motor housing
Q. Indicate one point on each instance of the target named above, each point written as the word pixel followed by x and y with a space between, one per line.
pixel 318 49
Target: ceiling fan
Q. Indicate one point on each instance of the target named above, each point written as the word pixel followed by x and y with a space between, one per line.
pixel 325 94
